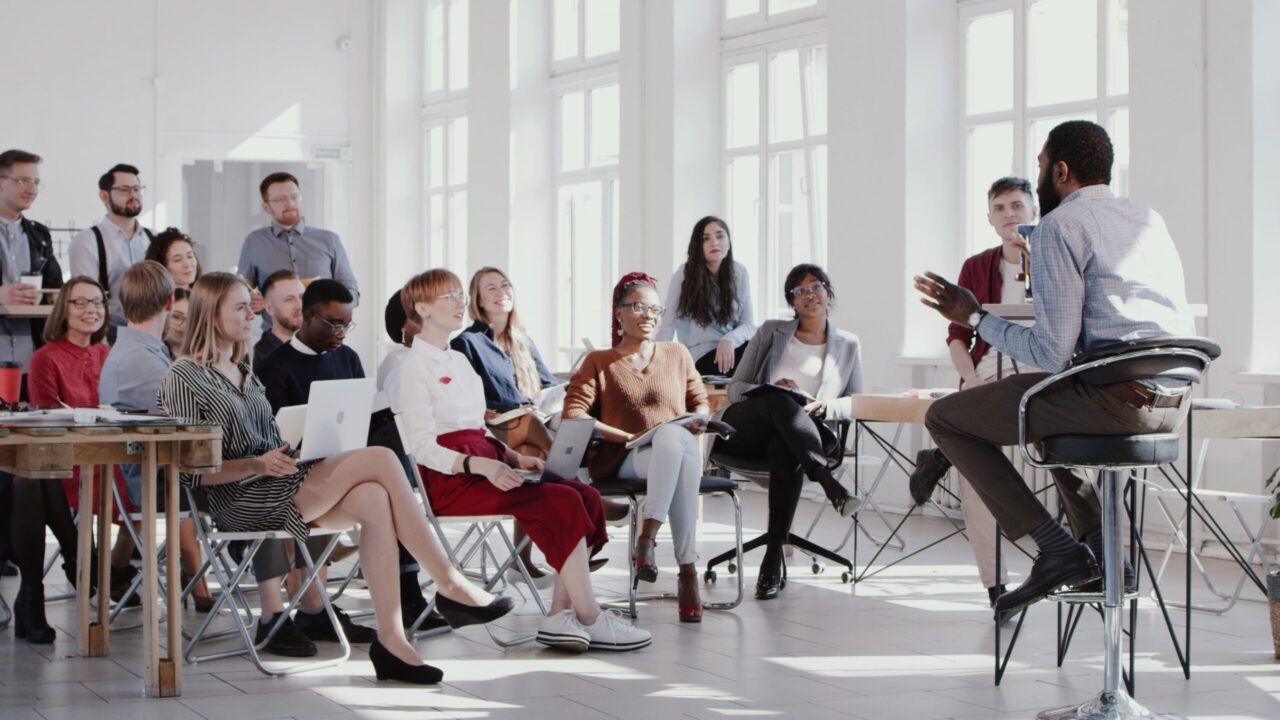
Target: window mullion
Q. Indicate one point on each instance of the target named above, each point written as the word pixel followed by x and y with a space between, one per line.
pixel 1020 59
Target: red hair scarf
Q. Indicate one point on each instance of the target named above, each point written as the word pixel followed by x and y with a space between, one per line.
pixel 627 282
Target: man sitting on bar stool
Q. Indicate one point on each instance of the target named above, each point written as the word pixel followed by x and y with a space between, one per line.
pixel 1106 270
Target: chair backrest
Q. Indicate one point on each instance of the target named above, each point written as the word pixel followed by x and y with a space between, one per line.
pixel 1170 358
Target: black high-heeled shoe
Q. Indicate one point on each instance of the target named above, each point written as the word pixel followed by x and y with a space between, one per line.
pixel 389 667
pixel 773 576
pixel 840 499
pixel 28 615
pixel 461 615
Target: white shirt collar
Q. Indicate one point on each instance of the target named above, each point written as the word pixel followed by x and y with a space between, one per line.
pixel 301 346
pixel 421 345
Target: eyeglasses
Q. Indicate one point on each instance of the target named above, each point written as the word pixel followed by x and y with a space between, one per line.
pixel 129 189
pixel 640 308
pixel 178 318
pixel 455 298
pixel 799 292
pixel 26 183
pixel 336 328
pixel 281 200
pixel 82 303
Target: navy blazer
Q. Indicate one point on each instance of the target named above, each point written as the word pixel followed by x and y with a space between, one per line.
pixel 495 368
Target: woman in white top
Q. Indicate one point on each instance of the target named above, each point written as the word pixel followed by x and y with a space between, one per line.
pixel 439 404
pixel 817 362
pixel 709 301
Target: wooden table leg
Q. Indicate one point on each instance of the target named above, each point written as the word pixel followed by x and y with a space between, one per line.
pixel 171 664
pixel 106 500
pixel 150 587
pixel 89 641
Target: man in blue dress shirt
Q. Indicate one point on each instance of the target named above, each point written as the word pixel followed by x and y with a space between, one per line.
pixel 1104 269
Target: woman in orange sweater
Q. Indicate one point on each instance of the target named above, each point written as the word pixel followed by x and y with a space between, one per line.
pixel 635 386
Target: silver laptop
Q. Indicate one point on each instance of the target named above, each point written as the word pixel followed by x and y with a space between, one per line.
pixel 334 420
pixel 565 456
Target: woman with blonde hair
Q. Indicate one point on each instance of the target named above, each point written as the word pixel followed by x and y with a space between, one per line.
pixel 439 404
pixel 260 485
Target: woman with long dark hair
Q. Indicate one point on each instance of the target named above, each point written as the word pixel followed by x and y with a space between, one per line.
pixel 710 299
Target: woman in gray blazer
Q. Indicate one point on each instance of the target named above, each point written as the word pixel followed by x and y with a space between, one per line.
pixel 794 375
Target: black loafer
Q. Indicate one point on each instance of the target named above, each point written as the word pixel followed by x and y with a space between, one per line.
pixel 461 615
pixel 994 592
pixel 288 640
pixel 931 466
pixel 318 628
pixel 1097 585
pixel 1048 573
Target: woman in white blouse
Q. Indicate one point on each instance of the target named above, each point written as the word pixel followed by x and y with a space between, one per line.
pixel 439 403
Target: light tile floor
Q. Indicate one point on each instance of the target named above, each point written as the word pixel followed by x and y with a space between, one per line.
pixel 914 643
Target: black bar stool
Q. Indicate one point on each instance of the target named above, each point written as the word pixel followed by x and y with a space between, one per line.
pixel 1115 457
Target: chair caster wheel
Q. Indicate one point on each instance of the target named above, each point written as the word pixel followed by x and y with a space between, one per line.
pixel 709 577
pixel 846 577
pixel 817 569
pixel 732 568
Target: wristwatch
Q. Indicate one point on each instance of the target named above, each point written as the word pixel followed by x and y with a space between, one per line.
pixel 466 464
pixel 976 317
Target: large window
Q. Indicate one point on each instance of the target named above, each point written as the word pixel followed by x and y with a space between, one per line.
pixel 584 32
pixel 775 161
pixel 746 16
pixel 444 114
pixel 1026 66
pixel 587 195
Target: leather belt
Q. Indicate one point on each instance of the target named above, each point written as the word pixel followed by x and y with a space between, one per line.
pixel 1141 396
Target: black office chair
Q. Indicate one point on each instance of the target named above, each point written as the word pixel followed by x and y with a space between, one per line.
pixel 757 471
pixel 1115 457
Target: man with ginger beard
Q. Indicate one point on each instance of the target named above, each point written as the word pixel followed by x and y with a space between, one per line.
pixel 282 304
pixel 118 241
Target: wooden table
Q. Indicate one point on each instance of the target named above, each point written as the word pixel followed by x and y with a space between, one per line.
pixel 26 311
pixel 52 450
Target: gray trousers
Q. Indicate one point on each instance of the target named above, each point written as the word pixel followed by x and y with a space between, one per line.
pixel 970 427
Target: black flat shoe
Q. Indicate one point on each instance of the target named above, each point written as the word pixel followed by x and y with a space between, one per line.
pixel 931 466
pixel 1048 573
pixel 389 667
pixel 288 641
pixel 459 615
pixel 1096 585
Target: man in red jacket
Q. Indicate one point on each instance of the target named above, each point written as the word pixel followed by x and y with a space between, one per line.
pixel 993 276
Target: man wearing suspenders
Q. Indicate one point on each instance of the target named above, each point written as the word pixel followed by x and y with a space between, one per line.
pixel 118 241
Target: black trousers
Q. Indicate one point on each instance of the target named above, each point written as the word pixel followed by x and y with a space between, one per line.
pixel 706 365
pixel 776 428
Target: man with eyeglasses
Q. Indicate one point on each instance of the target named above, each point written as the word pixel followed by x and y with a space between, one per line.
pixel 288 243
pixel 118 241
pixel 25 250
pixel 315 352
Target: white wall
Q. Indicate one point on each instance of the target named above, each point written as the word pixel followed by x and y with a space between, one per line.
pixel 157 84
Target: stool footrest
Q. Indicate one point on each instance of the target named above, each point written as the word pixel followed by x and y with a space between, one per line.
pixel 1086 598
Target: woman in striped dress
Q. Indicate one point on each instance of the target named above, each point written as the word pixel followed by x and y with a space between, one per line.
pixel 212 382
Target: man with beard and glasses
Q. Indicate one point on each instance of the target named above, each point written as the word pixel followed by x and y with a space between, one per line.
pixel 289 243
pixel 1105 270
pixel 118 241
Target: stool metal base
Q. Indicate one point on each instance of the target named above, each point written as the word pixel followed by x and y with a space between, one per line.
pixel 1107 706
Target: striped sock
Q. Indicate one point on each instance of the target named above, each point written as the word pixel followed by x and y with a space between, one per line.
pixel 1052 539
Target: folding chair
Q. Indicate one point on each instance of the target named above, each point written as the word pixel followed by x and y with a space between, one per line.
pixel 474 540
pixel 229 572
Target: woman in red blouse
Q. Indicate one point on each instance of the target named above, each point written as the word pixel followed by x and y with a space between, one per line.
pixel 63 371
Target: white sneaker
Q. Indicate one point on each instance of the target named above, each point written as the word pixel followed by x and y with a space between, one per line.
pixel 611 632
pixel 547 579
pixel 563 631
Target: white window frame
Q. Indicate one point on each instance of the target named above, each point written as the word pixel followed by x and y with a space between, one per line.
pixel 767 276
pixel 580 61
pixel 762 20
pixel 446 92
pixel 609 177
pixel 1103 106
pixel 443 117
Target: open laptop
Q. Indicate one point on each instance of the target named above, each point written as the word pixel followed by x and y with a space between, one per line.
pixel 335 418
pixel 565 456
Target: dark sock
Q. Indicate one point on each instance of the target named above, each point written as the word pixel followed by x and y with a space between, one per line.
pixel 1093 539
pixel 1052 539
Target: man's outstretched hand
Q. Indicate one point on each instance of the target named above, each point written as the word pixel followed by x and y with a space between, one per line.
pixel 952 301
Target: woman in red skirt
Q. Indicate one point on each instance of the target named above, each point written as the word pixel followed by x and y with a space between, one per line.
pixel 439 403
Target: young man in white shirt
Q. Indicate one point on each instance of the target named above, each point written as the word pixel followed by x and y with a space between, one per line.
pixel 118 241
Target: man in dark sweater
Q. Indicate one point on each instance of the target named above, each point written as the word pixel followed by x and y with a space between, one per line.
pixel 317 352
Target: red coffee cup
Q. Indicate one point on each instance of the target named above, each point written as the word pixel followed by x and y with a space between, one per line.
pixel 10 382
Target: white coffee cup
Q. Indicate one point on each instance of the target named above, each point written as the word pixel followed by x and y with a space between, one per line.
pixel 33 280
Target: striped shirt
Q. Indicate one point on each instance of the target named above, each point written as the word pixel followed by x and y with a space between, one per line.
pixel 1104 269
pixel 202 393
